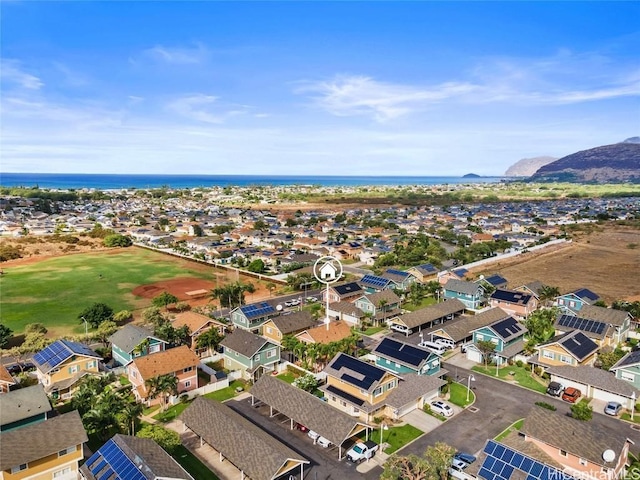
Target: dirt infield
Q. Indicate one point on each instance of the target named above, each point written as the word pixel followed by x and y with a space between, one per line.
pixel 601 261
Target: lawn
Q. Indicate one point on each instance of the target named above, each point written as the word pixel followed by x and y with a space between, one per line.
pixel 425 302
pixel 517 425
pixel 192 464
pixel 287 377
pixel 373 330
pixel 171 413
pixel 54 291
pixel 226 393
pixel 520 376
pixel 458 395
pixel 397 437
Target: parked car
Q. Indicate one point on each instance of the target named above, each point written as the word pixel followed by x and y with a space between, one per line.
pixel 288 303
pixel 613 408
pixel 313 435
pixel 323 442
pixel 456 468
pixel 465 457
pixel 571 394
pixel 440 407
pixel 362 451
pixel 301 427
pixel 434 347
pixel 555 389
pixel 400 328
pixel 312 299
pixel 445 342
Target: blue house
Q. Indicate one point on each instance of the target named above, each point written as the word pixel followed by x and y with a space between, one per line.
pixel 374 283
pixel 469 293
pixel 507 336
pixel 574 301
pixel 381 306
pixel 628 368
pixel 133 341
pixel 400 358
pixel 252 317
pixel 402 280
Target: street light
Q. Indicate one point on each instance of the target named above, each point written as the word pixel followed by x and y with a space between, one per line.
pixel 86 334
pixel 383 426
pixel 633 404
pixel 469 380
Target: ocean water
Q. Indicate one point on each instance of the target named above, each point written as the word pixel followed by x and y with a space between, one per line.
pixel 111 182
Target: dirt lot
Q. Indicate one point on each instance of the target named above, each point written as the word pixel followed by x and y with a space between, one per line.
pixel 600 261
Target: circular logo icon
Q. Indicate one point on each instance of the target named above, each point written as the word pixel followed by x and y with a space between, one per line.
pixel 327 270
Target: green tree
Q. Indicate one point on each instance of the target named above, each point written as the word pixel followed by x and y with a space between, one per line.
pixel 232 295
pixel 35 328
pixel 122 316
pixel 5 335
pixel 164 300
pixel 117 240
pixel 34 342
pixel 210 339
pixel 486 347
pixel 608 357
pixel 162 386
pixel 129 417
pixel 96 314
pixel 433 465
pixel 308 382
pixel 540 326
pixel 105 330
pixel 257 266
pixel 154 316
pixel 548 293
pixel 167 439
pixel 582 411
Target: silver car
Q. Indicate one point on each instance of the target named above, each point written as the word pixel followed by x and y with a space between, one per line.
pixel 613 408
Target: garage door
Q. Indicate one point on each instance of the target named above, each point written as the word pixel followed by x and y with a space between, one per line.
pixel 570 383
pixel 609 397
pixel 474 355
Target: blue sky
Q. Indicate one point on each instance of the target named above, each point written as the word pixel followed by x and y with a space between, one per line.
pixel 344 88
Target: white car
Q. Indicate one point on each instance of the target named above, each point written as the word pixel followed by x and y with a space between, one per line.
pixel 313 435
pixel 323 442
pixel 441 408
pixel 456 469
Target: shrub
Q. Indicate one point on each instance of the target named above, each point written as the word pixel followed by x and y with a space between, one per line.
pixel 519 363
pixel 445 389
pixel 547 406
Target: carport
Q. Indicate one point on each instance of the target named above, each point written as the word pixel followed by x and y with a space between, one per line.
pixel 252 450
pixel 306 409
pixel 429 316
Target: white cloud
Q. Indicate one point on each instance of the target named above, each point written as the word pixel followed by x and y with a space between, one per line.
pixel 10 70
pixel 205 108
pixel 179 55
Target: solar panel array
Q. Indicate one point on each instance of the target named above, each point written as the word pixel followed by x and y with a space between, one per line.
pixel 586 293
pixel 501 461
pixel 633 357
pixel 110 463
pixel 511 296
pixel 347 288
pixel 366 373
pixel 592 326
pixel 496 280
pixel 374 281
pixel 257 309
pixel 507 327
pixel 579 345
pixel 427 267
pixel 56 353
pixel 397 272
pixel 402 351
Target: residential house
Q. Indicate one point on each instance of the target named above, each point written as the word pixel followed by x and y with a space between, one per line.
pixel 347 312
pixel 132 458
pixel 495 281
pixel 582 448
pixel 24 406
pixel 534 288
pixel 518 304
pixel 402 280
pixel 277 327
pixel 575 300
pixel 60 365
pixel 401 358
pixel 6 380
pixel 424 273
pixel 428 316
pixel 507 336
pixel 197 325
pixel 596 383
pixel 620 320
pixel 249 353
pixel 380 306
pixel 367 391
pixel 344 292
pixel 628 368
pixel 327 333
pixel 133 341
pixel 51 448
pixel 374 283
pixel 572 348
pixel 470 293
pixel 610 327
pixel 455 274
pixel 252 317
pixel 180 362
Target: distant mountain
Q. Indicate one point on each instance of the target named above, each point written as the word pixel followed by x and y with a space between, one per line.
pixel 619 162
pixel 528 166
pixel 632 140
pixel 471 175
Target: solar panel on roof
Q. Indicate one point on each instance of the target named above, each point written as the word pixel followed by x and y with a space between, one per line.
pixel 507 327
pixel 118 464
pixel 374 281
pixel 402 351
pixel 368 373
pixel 397 272
pixel 577 323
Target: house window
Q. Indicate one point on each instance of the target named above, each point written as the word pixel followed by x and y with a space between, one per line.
pixel 343 403
pixel 61 473
pixel 55 370
pixel 73 369
pixel 565 359
pixel 479 336
pixel 355 410
pixel 257 358
pixel 333 399
pixel 66 451
pixel 572 303
pixel 91 364
pixel 629 377
pixel 548 354
pixel 563 453
pixel 187 384
pixel 560 301
pixel 271 353
pixel 134 374
pixel 388 361
pixel 398 365
pixel 236 354
pixel 377 392
pixel 188 369
pixel 19 468
pixel 154 348
pixel 583 462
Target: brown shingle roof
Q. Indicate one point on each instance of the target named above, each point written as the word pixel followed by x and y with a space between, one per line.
pixel 305 409
pixel 5 376
pixel 603 314
pixel 602 379
pixel 293 322
pixel 244 444
pixel 461 328
pixel 431 313
pixel 336 332
pixel 168 361
pixel 243 342
pixel 583 439
pixel 38 440
pixel 23 403
pixel 195 321
pixel 411 387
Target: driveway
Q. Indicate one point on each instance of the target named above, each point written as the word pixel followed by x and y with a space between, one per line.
pixel 422 421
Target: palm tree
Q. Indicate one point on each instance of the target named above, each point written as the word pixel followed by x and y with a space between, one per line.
pixel 382 305
pixel 129 417
pixel 548 293
pixel 162 386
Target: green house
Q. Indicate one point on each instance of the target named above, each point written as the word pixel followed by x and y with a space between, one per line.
pixel 399 357
pixel 628 368
pixel 249 353
pixel 507 336
pixel 133 341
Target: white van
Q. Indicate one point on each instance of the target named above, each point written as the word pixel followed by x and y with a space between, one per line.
pixel 434 347
pixel 445 342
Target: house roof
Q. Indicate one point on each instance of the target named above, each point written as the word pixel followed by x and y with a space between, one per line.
pixel 496 280
pixel 257 310
pixel 23 403
pixel 575 343
pixel 461 286
pixel 5 376
pixel 630 359
pixel 511 296
pixel 601 379
pixel 347 289
pixel 411 387
pixel 248 447
pixel 165 362
pixel 38 440
pixel 397 276
pixel 388 296
pixel 195 321
pixel 507 328
pixel 402 353
pixel 591 328
pixel 293 322
pixel 512 350
pixel 243 342
pixel 586 294
pixel 603 314
pixel 337 331
pixel 375 281
pixel 583 439
pixel 353 371
pixel 59 352
pixel 461 328
pixel 431 313
pixel 534 287
pixel 347 308
pixel 305 409
pixel 426 269
pixel 132 458
pixel 130 336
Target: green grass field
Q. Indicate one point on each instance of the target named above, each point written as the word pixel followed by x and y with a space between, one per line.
pixel 54 291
